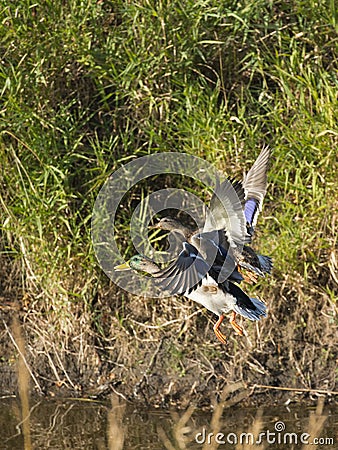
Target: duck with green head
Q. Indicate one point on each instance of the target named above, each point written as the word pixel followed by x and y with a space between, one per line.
pixel 191 277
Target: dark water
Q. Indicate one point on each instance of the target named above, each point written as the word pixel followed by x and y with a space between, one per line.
pixel 79 424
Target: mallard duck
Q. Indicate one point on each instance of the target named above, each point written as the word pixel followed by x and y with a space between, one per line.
pixel 191 276
pixel 226 213
pixel 208 265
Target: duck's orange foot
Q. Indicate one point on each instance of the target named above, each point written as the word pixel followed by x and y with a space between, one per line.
pixel 251 277
pixel 248 276
pixel 234 324
pixel 220 336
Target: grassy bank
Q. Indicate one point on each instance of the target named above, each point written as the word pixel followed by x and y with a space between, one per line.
pixel 86 87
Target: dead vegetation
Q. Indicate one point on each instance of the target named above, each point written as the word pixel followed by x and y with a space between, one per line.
pixel 163 352
pixel 213 80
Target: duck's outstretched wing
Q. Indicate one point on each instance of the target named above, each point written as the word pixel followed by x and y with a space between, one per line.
pixel 215 248
pixel 226 211
pixel 185 274
pixel 254 185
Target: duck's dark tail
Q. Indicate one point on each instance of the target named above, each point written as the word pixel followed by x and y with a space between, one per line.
pixel 251 308
pixel 257 313
pixel 265 262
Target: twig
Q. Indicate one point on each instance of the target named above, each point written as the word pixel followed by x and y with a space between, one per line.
pixel 26 259
pixel 63 367
pixel 320 391
pixel 138 385
pixel 119 394
pixel 23 358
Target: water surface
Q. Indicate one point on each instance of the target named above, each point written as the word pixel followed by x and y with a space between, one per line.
pixel 86 424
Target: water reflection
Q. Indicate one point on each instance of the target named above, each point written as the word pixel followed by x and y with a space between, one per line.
pixel 116 429
pixel 23 378
pixel 79 424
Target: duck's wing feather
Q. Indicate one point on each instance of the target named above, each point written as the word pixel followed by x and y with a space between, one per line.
pixel 185 273
pixel 254 185
pixel 215 247
pixel 226 210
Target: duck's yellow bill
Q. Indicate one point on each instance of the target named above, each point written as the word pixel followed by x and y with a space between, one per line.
pixel 124 266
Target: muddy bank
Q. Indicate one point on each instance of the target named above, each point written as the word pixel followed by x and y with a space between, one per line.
pixel 164 353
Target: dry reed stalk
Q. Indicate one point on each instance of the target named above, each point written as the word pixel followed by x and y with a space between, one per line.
pixel 316 423
pixel 116 430
pixel 23 373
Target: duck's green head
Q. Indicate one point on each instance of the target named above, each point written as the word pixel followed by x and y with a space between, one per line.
pixel 140 264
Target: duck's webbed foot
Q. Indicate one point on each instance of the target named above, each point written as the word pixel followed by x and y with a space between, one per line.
pixel 220 336
pixel 249 276
pixel 234 324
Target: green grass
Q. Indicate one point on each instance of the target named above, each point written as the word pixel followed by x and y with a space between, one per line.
pixel 88 86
